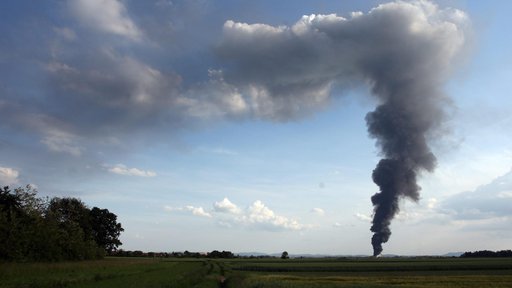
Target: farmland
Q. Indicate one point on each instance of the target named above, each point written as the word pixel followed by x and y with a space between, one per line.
pixel 332 272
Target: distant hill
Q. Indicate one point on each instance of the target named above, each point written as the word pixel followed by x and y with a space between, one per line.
pixel 249 254
pixel 453 254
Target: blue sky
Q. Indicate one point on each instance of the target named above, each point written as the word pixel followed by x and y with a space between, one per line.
pixel 169 114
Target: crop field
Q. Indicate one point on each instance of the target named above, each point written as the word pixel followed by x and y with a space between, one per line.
pixel 261 273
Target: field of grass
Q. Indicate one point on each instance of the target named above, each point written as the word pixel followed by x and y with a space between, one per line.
pixel 112 272
pixel 380 272
pixel 261 273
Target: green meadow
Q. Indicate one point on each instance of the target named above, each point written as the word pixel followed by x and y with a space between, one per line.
pixel 260 273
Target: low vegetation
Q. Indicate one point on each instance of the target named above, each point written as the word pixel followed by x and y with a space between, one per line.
pixel 260 273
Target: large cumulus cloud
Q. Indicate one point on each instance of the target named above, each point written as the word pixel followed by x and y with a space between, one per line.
pixel 290 71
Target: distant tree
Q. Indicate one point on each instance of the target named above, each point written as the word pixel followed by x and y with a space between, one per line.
pixel 487 254
pixel 284 255
pixel 105 229
pixel 218 254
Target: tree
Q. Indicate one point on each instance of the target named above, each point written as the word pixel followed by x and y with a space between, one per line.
pixel 70 218
pixel 13 222
pixel 9 203
pixel 284 255
pixel 218 254
pixel 69 210
pixel 105 229
pixel 33 228
pixel 29 202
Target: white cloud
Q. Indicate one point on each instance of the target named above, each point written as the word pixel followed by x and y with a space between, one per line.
pixel 226 206
pixel 260 215
pixel 123 170
pixel 431 203
pixel 106 15
pixel 171 209
pixel 256 216
pixel 198 211
pixel 318 211
pixel 8 176
pixel 363 217
pixel 218 151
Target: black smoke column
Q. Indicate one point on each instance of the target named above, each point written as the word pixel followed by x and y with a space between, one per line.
pixel 400 126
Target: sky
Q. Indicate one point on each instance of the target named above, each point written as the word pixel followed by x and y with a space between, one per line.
pixel 242 125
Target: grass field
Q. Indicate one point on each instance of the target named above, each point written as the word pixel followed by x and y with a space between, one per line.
pixel 261 273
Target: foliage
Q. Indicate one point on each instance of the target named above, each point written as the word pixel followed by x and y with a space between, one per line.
pixel 487 254
pixel 217 254
pixel 105 229
pixel 285 255
pixel 137 253
pixel 37 229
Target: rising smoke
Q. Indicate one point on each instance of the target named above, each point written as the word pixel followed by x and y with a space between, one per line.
pixel 403 50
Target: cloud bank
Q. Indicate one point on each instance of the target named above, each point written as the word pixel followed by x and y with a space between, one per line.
pixel 99 87
pixel 490 201
pixel 256 216
pixel 290 71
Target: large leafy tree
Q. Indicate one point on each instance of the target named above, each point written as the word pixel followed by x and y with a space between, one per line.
pixel 69 210
pixel 105 229
pixel 38 229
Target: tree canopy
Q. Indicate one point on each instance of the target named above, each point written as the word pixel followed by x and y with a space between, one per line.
pixel 37 229
pixel 487 254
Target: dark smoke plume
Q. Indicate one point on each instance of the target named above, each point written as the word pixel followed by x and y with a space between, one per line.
pixel 404 146
pixel 403 50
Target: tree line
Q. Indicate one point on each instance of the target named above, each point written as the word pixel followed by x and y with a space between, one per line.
pixel 487 254
pixel 185 254
pixel 56 229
